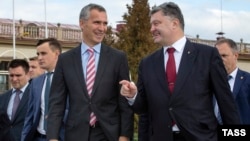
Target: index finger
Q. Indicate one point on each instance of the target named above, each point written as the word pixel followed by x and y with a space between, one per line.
pixel 124 82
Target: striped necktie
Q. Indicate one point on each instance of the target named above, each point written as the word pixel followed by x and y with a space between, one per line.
pixel 90 80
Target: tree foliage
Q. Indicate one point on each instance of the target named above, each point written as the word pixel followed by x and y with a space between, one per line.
pixel 135 37
pixel 109 37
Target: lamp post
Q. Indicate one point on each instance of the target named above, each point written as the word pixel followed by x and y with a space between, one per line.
pixel 221 33
pixel 14 29
pixel 45 14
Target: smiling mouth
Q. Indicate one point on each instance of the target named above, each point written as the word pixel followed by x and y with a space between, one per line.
pixel 156 36
pixel 100 35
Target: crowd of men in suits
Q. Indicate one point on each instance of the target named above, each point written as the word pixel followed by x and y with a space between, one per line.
pixel 26 97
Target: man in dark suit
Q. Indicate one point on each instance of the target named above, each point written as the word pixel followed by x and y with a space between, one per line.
pixel 34 129
pixel 111 116
pixel 14 103
pixel 240 80
pixel 177 82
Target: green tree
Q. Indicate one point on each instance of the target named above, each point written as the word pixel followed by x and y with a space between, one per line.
pixel 135 37
pixel 109 37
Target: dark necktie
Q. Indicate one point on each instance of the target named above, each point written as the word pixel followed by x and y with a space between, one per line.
pixel 16 103
pixel 46 98
pixel 171 69
pixel 90 80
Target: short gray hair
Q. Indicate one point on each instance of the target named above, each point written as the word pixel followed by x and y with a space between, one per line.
pixel 86 10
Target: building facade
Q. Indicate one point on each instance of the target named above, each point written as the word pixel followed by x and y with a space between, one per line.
pixel 27 33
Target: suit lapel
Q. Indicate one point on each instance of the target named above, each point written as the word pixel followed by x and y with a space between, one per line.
pixel 23 101
pixel 77 60
pixel 7 99
pixel 104 55
pixel 37 92
pixel 187 61
pixel 159 68
pixel 239 79
pixel 39 89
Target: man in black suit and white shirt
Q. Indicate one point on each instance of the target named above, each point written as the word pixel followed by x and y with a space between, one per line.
pixel 180 109
pixel 14 103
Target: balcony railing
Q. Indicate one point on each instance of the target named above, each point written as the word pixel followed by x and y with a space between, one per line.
pixel 243 48
pixel 37 31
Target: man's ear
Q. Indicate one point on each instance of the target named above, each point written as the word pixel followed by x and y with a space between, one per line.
pixel 82 23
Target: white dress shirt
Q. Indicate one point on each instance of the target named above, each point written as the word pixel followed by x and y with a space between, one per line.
pixel 179 47
pixel 40 127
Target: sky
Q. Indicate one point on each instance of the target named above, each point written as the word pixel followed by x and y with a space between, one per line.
pixel 202 17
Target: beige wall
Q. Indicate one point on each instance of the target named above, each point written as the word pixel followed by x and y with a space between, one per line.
pixel 6 51
pixel 22 51
pixel 244 65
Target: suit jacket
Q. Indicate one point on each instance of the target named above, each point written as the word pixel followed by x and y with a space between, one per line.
pixel 143 127
pixel 201 73
pixel 34 111
pixel 11 129
pixel 33 115
pixel 241 94
pixel 111 109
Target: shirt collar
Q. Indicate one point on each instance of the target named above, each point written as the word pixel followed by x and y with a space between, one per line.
pixel 50 71
pixel 234 73
pixel 84 47
pixel 22 89
pixel 178 45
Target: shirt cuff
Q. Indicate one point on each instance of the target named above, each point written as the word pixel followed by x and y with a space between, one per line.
pixel 131 100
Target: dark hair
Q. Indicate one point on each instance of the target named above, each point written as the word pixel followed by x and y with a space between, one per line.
pixel 230 42
pixel 53 43
pixel 19 63
pixel 170 9
pixel 33 58
pixel 84 14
